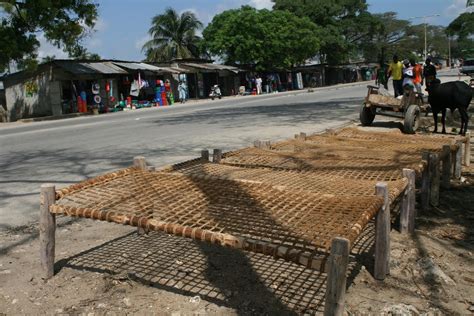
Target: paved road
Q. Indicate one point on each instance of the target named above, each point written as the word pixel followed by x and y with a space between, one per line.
pixel 67 151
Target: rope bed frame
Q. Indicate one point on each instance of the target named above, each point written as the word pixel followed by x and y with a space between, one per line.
pixel 305 200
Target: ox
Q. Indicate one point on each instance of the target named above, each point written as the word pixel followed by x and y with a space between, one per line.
pixel 450 95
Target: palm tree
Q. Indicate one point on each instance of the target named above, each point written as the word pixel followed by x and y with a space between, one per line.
pixel 173 36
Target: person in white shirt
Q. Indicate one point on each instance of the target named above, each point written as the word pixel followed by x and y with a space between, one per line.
pixel 258 82
pixel 408 75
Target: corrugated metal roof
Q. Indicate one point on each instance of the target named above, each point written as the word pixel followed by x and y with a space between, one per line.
pixel 215 67
pixel 90 68
pixel 145 67
pixel 106 68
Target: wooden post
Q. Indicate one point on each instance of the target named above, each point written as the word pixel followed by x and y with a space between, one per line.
pixel 407 214
pixel 303 136
pixel 139 162
pixel 446 177
pixel 435 179
pixel 337 276
pixel 205 155
pixel 382 234
pixel 217 155
pixel 458 162
pixel 467 150
pixel 257 144
pixel 426 183
pixel 47 230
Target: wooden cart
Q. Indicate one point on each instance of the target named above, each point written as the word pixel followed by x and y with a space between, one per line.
pixel 409 107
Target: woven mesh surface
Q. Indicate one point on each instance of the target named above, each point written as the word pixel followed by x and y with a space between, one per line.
pixel 354 168
pixel 221 211
pixel 291 179
pixel 398 137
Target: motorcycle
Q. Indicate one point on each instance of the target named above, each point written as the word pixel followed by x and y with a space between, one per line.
pixel 215 92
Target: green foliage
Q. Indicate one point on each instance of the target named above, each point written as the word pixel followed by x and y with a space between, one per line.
pixel 397 36
pixel 437 41
pixel 64 23
pixel 462 28
pixel 346 24
pixel 173 36
pixel 266 39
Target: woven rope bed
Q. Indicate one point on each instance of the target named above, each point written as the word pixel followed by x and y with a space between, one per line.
pixel 295 225
pixel 306 200
pixel 288 201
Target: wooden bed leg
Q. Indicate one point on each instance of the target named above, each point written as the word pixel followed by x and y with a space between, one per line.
pixel 217 155
pixel 382 234
pixel 407 214
pixel 426 182
pixel 446 178
pixel 435 180
pixel 139 162
pixel 467 150
pixel 204 155
pixel 458 162
pixel 337 276
pixel 47 230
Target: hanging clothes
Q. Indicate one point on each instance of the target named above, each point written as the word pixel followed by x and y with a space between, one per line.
pixel 134 89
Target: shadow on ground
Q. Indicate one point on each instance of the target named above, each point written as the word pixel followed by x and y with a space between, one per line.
pixel 247 282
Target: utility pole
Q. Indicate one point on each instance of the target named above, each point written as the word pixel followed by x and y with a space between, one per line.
pixel 449 51
pixel 425 27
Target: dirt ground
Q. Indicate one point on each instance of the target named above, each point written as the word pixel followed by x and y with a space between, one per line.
pixel 107 269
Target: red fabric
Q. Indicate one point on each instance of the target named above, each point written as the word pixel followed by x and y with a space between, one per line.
pixel 417 71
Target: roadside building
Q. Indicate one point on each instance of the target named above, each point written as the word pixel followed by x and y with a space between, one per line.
pixel 201 74
pixel 3 103
pixel 71 86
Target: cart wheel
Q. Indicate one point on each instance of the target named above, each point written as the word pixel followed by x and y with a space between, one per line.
pixel 412 119
pixel 366 115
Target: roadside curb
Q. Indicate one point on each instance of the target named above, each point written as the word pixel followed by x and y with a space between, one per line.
pixel 200 101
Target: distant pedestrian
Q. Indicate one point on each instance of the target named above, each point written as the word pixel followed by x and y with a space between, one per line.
pixel 417 75
pixel 408 76
pixel 368 74
pixel 182 90
pixel 395 71
pixel 429 72
pixel 258 82
pixel 381 78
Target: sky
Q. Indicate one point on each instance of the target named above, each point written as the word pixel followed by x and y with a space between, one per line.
pixel 122 26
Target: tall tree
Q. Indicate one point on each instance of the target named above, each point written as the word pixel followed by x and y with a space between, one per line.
pixel 462 28
pixel 173 36
pixel 346 24
pixel 389 38
pixel 266 39
pixel 64 23
pixel 437 41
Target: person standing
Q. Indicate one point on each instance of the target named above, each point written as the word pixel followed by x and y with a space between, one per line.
pixel 382 76
pixel 182 90
pixel 417 75
pixel 258 82
pixel 408 76
pixel 395 71
pixel 429 72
